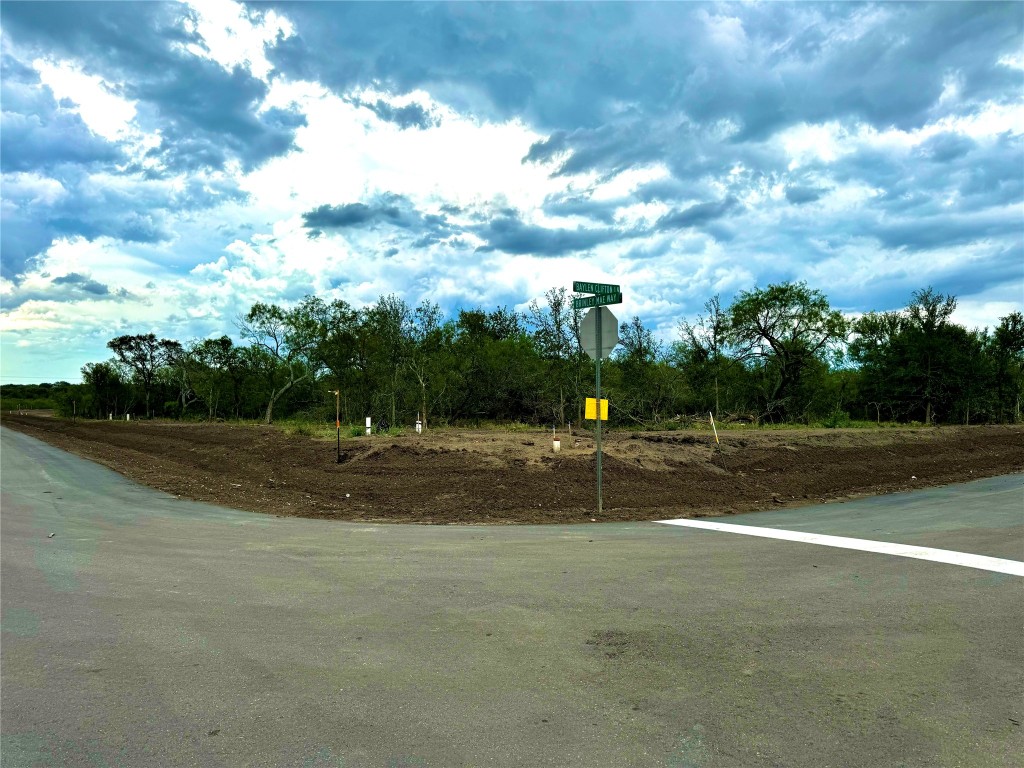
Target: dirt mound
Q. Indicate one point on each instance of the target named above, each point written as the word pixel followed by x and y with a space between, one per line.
pixel 453 476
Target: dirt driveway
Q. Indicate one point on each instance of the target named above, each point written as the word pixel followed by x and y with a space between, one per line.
pixel 493 476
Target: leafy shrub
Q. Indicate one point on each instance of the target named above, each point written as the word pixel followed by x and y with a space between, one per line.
pixel 837 420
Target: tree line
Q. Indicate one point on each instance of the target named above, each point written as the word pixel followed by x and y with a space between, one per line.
pixel 775 354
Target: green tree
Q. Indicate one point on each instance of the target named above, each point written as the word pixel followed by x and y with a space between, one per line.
pixel 218 369
pixel 790 329
pixel 702 352
pixel 928 319
pixel 1007 350
pixel 646 386
pixel 339 350
pixel 920 365
pixel 881 384
pixel 556 335
pixel 106 389
pixel 290 339
pixel 144 355
pixel 428 342
pixel 179 370
pixel 388 327
pixel 498 367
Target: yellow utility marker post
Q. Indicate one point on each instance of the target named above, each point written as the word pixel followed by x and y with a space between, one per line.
pixel 599 334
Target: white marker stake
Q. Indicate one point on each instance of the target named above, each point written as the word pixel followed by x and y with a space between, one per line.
pixel 713 427
pixel 982 562
pixel 369 425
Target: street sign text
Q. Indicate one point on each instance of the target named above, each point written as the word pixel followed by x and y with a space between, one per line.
pixel 598 300
pixel 582 287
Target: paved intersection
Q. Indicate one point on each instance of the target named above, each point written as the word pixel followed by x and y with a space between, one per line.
pixel 155 631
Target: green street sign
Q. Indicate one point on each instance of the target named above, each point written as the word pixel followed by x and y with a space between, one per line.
pixel 581 287
pixel 596 301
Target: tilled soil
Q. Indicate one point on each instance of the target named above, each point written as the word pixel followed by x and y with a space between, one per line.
pixel 491 476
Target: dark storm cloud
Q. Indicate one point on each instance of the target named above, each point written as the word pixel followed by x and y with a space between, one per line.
pixel 990 176
pixel 136 212
pixel 510 234
pixel 39 142
pixel 973 175
pixel 799 195
pixel 30 227
pixel 84 283
pixel 651 250
pixel 35 132
pixel 892 290
pixel 697 215
pixel 389 210
pixel 572 69
pixel 946 147
pixel 581 205
pixel 608 149
pixel 1005 267
pixel 669 189
pixel 73 286
pixel 545 150
pixel 341 216
pixel 409 116
pixel 923 233
pixel 206 115
pixel 128 37
pixel 701 91
pixel 395 210
pixel 21 239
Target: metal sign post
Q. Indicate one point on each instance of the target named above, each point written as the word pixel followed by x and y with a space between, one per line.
pixel 597 386
pixel 598 345
pixel 337 421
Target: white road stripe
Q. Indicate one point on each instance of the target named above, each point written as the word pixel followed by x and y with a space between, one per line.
pixel 1012 567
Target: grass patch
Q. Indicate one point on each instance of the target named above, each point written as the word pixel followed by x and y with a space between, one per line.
pixel 26 404
pixel 306 428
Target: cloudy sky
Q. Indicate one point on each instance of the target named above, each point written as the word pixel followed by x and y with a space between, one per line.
pixel 166 165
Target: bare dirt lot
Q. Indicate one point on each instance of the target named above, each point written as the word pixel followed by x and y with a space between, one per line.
pixel 493 476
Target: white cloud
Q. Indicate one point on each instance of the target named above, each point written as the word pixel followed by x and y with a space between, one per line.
pixel 31 188
pixel 1014 61
pixel 807 143
pixel 627 182
pixel 105 112
pixel 234 36
pixel 978 313
pixel 221 257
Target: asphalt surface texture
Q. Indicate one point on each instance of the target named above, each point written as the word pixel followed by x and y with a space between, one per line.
pixel 139 629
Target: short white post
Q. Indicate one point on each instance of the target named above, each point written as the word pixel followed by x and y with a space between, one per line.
pixel 369 425
pixel 419 425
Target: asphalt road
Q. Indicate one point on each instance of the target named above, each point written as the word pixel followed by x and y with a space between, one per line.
pixel 153 631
